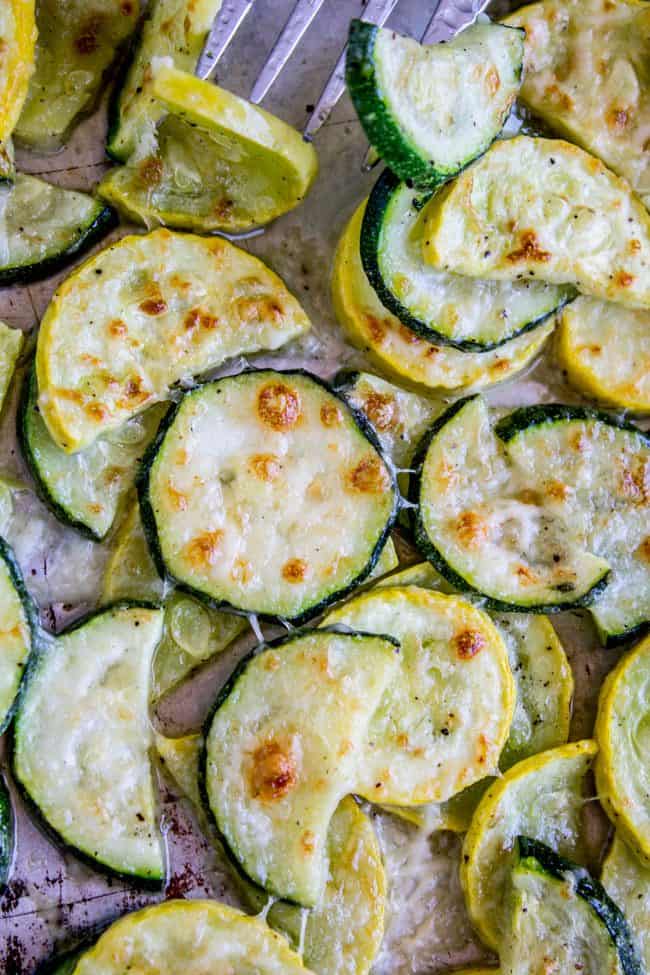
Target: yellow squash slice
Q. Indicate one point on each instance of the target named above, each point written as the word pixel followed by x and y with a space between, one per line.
pixel 17 43
pixel 627 882
pixel 545 209
pixel 144 314
pixel 218 162
pixel 397 351
pixel 622 766
pixel 587 74
pixel 605 350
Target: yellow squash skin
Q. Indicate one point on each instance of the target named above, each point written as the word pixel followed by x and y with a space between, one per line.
pixel 587 74
pixel 622 771
pixel 546 209
pixel 17 44
pixel 397 351
pixel 605 350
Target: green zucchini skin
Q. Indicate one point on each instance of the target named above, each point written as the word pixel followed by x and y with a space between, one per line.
pixel 590 890
pixel 7 834
pixel 151 530
pixel 435 557
pixel 31 614
pixel 533 416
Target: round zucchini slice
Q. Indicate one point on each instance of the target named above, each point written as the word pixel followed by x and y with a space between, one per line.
pixel 18 33
pixel 627 882
pixel 82 739
pixel 541 797
pixel 193 936
pixel 401 354
pixel 193 633
pixel 462 312
pixel 245 518
pixel 605 350
pixel 562 920
pixel 18 626
pixel 45 226
pixel 442 723
pixel 622 730
pixel 219 163
pixel 286 744
pixel 144 314
pixel 86 490
pixel 492 533
pixel 429 110
pixel 576 224
pixel 7 833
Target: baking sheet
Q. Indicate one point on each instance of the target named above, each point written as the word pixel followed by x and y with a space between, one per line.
pixel 53 899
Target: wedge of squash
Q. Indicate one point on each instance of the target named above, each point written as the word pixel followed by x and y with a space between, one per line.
pixel 144 314
pixel 17 41
pixel 543 208
pixel 18 632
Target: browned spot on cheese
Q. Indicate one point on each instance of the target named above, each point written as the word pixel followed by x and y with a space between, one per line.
pixel 96 411
pixel 617 118
pixel 561 98
pixel 447 474
pixel 409 335
pixel 592 349
pixel 369 476
pixel 278 406
pixel 274 772
pixel 529 249
pixel 643 551
pixel 95 508
pixel 151 170
pixel 308 842
pixel 469 643
pixel 182 457
pixel 113 474
pixel 153 306
pixel 177 499
pixel 200 318
pixel 271 661
pixel 87 40
pixel 242 571
pixel 482 750
pixel 492 80
pixel 634 481
pixel 526 575
pixel 330 415
pixel 117 328
pixel 402 740
pixel 472 529
pixel 557 490
pixel 376 329
pixel 73 395
pixel 345 748
pixel 381 409
pixel 624 279
pixel 634 245
pixel 266 467
pixel 528 496
pixel 295 570
pixel 202 551
pixel 179 283
pixel 579 441
pixel 258 310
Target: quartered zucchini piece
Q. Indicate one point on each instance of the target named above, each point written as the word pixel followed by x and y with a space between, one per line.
pixel 175 29
pixel 471 315
pixel 44 226
pixel 286 743
pixel 181 758
pixel 17 41
pixel 18 629
pixel 86 490
pixel 594 474
pixel 627 882
pixel 543 208
pixel 622 770
pixel 77 42
pixel 605 350
pixel 218 162
pixel 493 533
pixel 12 341
pixel 193 633
pixel 193 936
pixel 444 719
pixel 387 561
pixel 7 837
pixel 541 797
pixel 144 314
pixel 562 920
pixel 587 76
pixel 430 110
pixel 245 518
pixel 82 739
pixel 401 354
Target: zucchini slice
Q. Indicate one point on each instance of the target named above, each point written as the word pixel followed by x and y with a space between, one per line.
pixel 562 920
pixel 193 633
pixel 542 797
pixel 628 883
pixel 493 533
pixel 587 76
pixel 599 484
pixel 245 519
pixel 543 208
pixel 286 743
pixel 193 936
pixel 86 490
pixel 172 28
pixel 90 777
pixel 7 833
pixel 471 315
pixel 430 110
pixel 220 162
pixel 622 770
pixel 433 736
pixel 45 226
pixel 12 342
pixel 18 37
pixel 77 42
pixel 605 350
pixel 18 629
pixel 144 314
pixel 401 354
